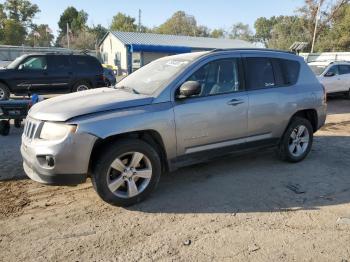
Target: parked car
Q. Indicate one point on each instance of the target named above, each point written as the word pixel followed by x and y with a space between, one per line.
pixel 173 112
pixel 109 76
pixel 50 74
pixel 335 76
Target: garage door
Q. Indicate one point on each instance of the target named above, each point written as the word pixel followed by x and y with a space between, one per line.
pixel 149 57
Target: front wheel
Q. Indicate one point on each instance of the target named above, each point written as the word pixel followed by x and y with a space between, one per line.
pixel 4 92
pixel 297 141
pixel 127 172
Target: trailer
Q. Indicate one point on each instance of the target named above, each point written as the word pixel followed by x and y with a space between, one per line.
pixel 16 110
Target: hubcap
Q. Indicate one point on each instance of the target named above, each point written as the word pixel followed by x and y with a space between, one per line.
pixel 129 174
pixel 82 88
pixel 299 141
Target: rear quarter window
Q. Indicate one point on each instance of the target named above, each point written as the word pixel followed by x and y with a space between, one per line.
pixel 288 70
pixel 86 63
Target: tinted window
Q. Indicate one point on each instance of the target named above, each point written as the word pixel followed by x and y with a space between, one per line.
pixel 61 62
pixel 259 73
pixel 218 77
pixel 34 63
pixel 334 70
pixel 344 69
pixel 286 72
pixel 86 63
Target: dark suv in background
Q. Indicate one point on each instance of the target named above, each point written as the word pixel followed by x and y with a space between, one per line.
pixel 50 74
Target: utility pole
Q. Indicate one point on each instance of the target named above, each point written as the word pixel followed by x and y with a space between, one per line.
pixel 68 40
pixel 139 29
pixel 316 25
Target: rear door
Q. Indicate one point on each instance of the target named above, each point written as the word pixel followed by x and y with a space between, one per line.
pixel 61 73
pixel 270 83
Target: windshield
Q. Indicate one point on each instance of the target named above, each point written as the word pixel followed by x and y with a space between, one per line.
pixel 318 69
pixel 14 64
pixel 155 75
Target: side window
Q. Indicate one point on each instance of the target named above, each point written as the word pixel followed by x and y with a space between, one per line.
pixel 344 69
pixel 34 63
pixel 259 73
pixel 334 69
pixel 286 71
pixel 61 62
pixel 218 77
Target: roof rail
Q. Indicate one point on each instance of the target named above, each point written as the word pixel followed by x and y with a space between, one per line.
pixel 251 49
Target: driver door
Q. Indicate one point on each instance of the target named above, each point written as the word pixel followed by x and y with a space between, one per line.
pixel 32 75
pixel 217 118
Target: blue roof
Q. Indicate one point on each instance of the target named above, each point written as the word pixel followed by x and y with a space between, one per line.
pixel 147 39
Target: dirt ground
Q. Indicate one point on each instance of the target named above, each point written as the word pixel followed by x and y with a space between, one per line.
pixel 238 208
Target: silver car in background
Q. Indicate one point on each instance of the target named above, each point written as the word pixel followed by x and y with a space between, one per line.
pixel 174 112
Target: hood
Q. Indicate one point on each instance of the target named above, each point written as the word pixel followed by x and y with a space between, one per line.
pixel 65 107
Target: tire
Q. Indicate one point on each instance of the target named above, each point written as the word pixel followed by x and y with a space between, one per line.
pixel 122 184
pixel 18 123
pixel 81 86
pixel 4 92
pixel 295 150
pixel 4 127
pixel 108 84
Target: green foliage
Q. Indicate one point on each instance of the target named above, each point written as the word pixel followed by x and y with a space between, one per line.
pixel 40 36
pixel 123 23
pixel 21 11
pixel 99 31
pixel 181 23
pixel 217 33
pixel 76 20
pixel 13 32
pixel 242 31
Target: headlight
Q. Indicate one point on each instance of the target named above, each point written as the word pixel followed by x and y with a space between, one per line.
pixel 53 131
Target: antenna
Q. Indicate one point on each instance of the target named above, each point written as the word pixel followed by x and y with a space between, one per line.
pixel 139 29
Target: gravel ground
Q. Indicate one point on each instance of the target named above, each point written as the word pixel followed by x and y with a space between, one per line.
pixel 238 208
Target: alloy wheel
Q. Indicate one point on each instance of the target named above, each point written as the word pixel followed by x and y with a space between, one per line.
pixel 129 174
pixel 299 141
pixel 82 88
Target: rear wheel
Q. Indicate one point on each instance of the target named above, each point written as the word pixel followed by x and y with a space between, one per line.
pixel 347 94
pixel 127 172
pixel 81 86
pixel 297 141
pixel 4 92
pixel 4 127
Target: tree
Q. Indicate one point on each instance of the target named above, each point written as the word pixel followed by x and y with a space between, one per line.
pixel 99 31
pixel 180 23
pixel 81 41
pixel 21 11
pixel 41 35
pixel 76 21
pixel 217 33
pixel 242 31
pixel 124 23
pixel 263 29
pixel 14 32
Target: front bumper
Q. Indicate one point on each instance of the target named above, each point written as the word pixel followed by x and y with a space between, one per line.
pixel 70 155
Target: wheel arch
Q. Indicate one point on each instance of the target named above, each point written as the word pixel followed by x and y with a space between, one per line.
pixel 308 114
pixel 6 84
pixel 152 137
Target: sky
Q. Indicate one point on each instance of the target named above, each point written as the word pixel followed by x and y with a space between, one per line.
pixel 213 13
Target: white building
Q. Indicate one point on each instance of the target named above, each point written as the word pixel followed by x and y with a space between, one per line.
pixel 128 51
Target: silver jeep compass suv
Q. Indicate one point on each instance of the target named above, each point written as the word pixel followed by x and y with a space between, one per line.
pixel 174 112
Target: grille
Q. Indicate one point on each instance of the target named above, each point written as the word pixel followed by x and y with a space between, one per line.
pixel 30 128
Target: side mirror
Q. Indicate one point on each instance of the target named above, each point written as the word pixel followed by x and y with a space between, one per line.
pixel 329 74
pixel 20 67
pixel 190 88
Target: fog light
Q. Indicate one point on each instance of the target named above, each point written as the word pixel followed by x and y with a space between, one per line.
pixel 50 161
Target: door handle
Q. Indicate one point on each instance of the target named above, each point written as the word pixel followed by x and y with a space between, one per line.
pixel 235 102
